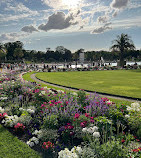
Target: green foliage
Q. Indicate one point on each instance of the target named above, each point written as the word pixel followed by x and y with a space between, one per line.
pixel 122 44
pixel 81 96
pixel 48 135
pixel 50 122
pixel 111 149
pixel 134 122
pixel 105 127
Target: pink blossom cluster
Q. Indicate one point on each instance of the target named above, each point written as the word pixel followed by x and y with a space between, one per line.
pixel 19 126
pixel 2 115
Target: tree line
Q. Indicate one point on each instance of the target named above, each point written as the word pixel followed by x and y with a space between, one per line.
pixel 122 48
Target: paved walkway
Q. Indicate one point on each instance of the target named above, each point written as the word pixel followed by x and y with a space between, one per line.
pixel 62 87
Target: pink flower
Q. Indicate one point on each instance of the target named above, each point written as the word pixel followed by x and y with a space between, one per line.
pixel 83 124
pixel 5 114
pixel 108 103
pixel 77 116
pixel 1 116
pixel 47 145
pixel 70 127
pixel 19 126
pixel 59 102
pixel 87 114
pixel 43 106
pixel 122 140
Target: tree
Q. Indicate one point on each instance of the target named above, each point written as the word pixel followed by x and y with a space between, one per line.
pixel 11 46
pixel 122 44
pixel 3 52
pixel 18 53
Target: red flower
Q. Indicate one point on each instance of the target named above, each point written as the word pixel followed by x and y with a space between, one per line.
pixel 1 116
pixel 137 140
pixel 136 150
pixel 122 140
pixel 87 114
pixel 77 116
pixel 47 145
pixel 70 127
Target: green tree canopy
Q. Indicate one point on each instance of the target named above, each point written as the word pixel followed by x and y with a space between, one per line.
pixel 122 44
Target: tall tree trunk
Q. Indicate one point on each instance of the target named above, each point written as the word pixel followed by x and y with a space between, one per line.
pixel 122 58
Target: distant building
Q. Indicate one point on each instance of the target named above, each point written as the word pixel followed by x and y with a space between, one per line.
pixel 81 57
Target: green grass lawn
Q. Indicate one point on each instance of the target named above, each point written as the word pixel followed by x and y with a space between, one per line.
pixel 118 82
pixel 12 147
pixel 27 77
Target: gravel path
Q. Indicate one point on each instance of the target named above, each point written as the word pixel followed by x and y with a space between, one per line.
pixel 63 87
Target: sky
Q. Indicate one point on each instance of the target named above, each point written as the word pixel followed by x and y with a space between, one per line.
pixel 74 24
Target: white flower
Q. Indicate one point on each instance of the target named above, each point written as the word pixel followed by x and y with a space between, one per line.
pixel 90 130
pixel 109 102
pixel 96 134
pixel 74 93
pixel 60 91
pixel 21 109
pixel 129 108
pixel 127 116
pixel 1 110
pixel 95 128
pixel 79 149
pixel 43 92
pixel 134 107
pixel 84 130
pixel 31 144
pixel 30 111
pixel 68 154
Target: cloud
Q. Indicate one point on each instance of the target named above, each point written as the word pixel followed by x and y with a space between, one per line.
pixel 20 8
pixel 29 29
pixel 119 4
pixel 101 29
pixel 63 4
pixel 115 13
pixel 13 17
pixel 58 21
pixel 11 37
pixel 102 19
pixel 19 11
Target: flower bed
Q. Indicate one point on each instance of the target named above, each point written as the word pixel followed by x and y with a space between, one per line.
pixel 64 124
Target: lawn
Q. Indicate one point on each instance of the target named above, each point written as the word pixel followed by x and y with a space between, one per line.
pixel 12 147
pixel 118 82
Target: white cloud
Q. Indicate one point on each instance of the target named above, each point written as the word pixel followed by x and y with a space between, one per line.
pixel 5 1
pixel 5 17
pixel 115 13
pixel 29 29
pixel 20 12
pixel 58 21
pixel 101 29
pixel 127 23
pixel 119 4
pixel 20 8
pixel 63 4
pixel 11 37
pixel 103 19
